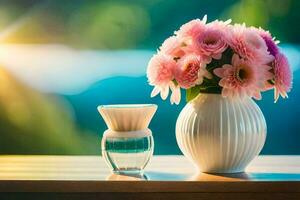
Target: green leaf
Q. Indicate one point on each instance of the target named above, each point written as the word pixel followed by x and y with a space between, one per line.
pixel 226 59
pixel 191 93
pixel 175 82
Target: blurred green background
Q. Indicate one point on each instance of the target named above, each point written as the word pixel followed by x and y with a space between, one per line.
pixel 59 59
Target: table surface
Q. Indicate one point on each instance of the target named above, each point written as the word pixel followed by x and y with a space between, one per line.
pixel 163 174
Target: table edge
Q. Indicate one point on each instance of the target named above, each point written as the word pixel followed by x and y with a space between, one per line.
pixel 149 186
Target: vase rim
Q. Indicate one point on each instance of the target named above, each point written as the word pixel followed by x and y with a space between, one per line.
pixel 220 95
pixel 127 117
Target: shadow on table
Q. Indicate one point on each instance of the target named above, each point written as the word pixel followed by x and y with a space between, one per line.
pixel 127 177
pixel 149 175
pixel 220 177
pixel 246 176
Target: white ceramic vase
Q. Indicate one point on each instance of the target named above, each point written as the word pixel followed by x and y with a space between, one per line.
pixel 220 135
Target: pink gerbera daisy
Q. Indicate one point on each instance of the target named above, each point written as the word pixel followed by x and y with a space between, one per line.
pixel 192 28
pixel 269 40
pixel 248 44
pixel 282 76
pixel 160 74
pixel 190 71
pixel 173 47
pixel 242 78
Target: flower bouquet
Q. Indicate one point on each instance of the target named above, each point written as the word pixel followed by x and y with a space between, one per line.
pixel 222 67
pixel 219 57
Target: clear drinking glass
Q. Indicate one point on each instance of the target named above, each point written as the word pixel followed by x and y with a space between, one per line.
pixel 127 144
pixel 127 154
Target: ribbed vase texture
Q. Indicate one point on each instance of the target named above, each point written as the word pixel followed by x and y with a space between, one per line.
pixel 221 135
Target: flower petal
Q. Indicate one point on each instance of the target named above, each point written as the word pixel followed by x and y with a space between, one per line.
pixel 217 56
pixel 176 95
pixel 164 92
pixel 155 91
pixel 219 72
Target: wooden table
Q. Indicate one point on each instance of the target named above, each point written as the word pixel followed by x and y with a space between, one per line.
pixel 166 177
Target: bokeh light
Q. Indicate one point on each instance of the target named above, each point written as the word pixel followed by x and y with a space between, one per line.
pixel 60 59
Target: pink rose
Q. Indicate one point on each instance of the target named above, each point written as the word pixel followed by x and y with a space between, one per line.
pixel 211 42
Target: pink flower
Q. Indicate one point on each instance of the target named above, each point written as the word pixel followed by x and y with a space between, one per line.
pixel 282 76
pixel 256 64
pixel 160 74
pixel 190 71
pixel 249 44
pixel 212 41
pixel 269 40
pixel 242 78
pixel 192 28
pixel 173 47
